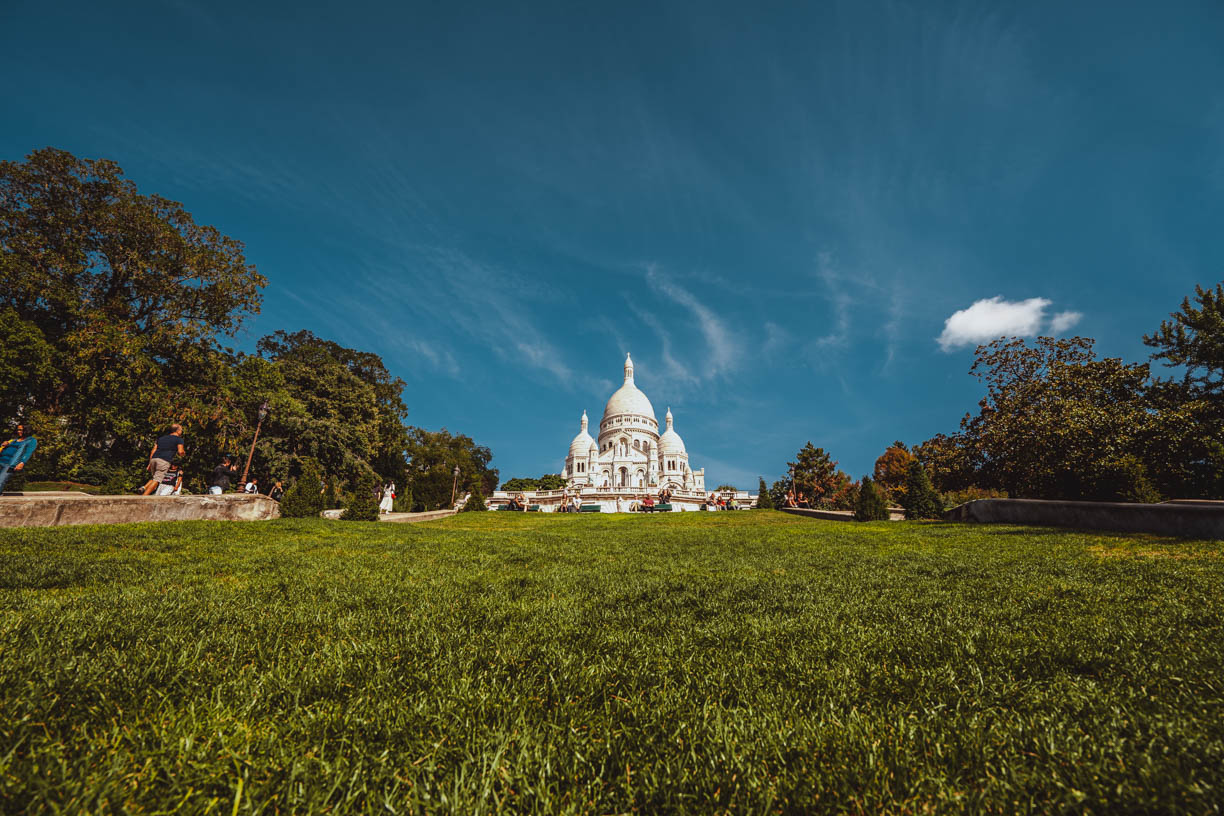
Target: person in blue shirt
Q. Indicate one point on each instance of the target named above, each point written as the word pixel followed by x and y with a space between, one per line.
pixel 14 454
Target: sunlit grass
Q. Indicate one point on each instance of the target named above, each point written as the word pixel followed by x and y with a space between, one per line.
pixel 743 662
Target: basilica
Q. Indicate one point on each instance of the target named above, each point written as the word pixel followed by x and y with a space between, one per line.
pixel 630 454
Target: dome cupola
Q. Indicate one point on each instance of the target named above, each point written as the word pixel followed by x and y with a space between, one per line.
pixel 582 442
pixel 628 399
pixel 670 441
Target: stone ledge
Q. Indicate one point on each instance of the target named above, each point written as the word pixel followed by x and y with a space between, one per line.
pixel 1181 519
pixel 61 509
pixel 835 515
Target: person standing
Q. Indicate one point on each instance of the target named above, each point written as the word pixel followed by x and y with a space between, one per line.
pixel 388 499
pixel 165 451
pixel 15 452
pixel 220 480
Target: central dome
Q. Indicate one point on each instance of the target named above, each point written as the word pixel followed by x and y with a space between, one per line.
pixel 628 399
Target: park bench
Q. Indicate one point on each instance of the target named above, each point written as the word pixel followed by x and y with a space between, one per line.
pixel 534 508
pixel 661 508
pixel 589 508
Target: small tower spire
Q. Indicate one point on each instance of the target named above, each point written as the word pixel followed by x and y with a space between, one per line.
pixel 669 418
pixel 628 368
pixel 584 420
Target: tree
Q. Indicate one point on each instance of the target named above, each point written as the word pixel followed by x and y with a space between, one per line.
pixel 723 487
pixel 433 455
pixel 891 470
pixel 1193 338
pixel 815 473
pixel 1054 416
pixel 551 481
pixel 764 502
pixel 777 493
pixel 872 505
pixel 363 504
pixel 475 501
pixel 949 461
pixel 127 292
pixel 304 499
pixel 521 484
pixel 920 499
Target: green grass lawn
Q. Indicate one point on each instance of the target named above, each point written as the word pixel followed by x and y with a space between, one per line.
pixel 696 663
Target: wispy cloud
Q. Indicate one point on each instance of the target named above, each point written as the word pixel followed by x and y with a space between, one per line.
pixel 995 317
pixel 722 347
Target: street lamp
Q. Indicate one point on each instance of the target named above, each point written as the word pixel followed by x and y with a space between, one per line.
pixel 263 412
pixel 454 485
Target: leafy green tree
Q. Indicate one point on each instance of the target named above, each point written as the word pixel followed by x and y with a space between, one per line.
pixel 433 455
pixel 1193 339
pixel 304 498
pixel 363 503
pixel 764 500
pixel 815 473
pixel 521 484
pixel 27 369
pixel 872 504
pixel 950 461
pixel 920 499
pixel 1054 415
pixel 127 292
pixel 778 491
pixel 551 481
pixel 475 500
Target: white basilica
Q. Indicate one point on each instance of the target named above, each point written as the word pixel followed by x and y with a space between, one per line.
pixel 630 453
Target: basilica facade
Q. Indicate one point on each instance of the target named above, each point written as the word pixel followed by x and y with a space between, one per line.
pixel 630 454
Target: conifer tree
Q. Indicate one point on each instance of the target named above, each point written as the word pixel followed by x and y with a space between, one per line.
pixel 872 504
pixel 764 502
pixel 302 499
pixel 363 505
pixel 920 499
pixel 475 500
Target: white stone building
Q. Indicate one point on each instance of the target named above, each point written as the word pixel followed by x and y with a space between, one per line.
pixel 630 454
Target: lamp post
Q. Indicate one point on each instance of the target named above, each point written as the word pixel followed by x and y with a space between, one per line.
pixel 454 485
pixel 263 412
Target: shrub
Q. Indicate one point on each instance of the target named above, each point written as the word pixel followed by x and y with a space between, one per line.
pixel 764 502
pixel 475 501
pixel 363 504
pixel 402 503
pixel 919 497
pixel 872 504
pixel 1124 478
pixel 302 499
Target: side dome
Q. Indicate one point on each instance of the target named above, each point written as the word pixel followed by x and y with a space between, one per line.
pixel 628 399
pixel 670 441
pixel 582 442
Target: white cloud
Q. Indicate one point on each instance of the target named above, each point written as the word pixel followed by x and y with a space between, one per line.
pixel 995 317
pixel 722 346
pixel 1063 321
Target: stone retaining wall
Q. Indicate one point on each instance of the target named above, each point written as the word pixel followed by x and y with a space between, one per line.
pixel 43 510
pixel 1181 519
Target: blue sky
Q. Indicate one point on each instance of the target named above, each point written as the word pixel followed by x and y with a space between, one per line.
pixel 775 207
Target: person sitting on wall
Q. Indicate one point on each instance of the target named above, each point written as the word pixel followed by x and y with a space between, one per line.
pixel 15 452
pixel 521 500
pixel 514 504
pixel 648 504
pixel 804 503
pixel 711 502
pixel 790 499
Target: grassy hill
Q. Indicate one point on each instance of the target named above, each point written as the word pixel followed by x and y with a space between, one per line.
pixel 745 662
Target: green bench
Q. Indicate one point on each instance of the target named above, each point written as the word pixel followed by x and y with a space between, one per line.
pixel 590 508
pixel 533 508
pixel 658 508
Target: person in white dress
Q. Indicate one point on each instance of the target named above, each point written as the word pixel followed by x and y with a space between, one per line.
pixel 388 497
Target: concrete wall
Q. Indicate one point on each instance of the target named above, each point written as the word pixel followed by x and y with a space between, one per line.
pixel 835 515
pixel 1172 518
pixel 53 510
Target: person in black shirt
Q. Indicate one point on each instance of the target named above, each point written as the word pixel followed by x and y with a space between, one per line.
pixel 165 451
pixel 277 491
pixel 220 480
